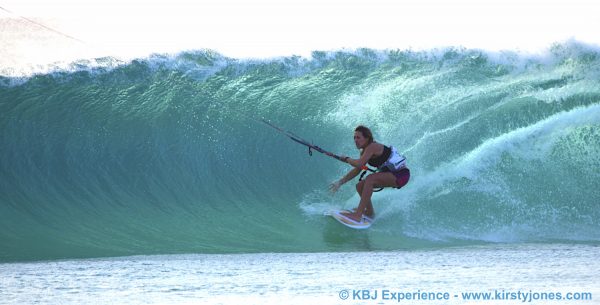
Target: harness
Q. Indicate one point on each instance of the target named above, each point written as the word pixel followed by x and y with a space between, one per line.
pixel 394 163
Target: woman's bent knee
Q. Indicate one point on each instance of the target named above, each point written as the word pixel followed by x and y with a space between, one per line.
pixel 370 181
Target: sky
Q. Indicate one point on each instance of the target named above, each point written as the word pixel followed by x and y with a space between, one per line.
pixel 268 28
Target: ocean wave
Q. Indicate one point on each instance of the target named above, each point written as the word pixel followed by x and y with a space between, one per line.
pixel 163 154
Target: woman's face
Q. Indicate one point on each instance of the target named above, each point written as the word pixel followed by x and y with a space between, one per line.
pixel 360 140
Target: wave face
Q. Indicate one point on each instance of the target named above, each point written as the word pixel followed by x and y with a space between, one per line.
pixel 161 155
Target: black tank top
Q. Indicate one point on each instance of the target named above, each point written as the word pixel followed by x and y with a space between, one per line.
pixel 378 161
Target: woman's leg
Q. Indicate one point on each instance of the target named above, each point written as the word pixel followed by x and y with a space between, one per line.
pixel 369 211
pixel 385 179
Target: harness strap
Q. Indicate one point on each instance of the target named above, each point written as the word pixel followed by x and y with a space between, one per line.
pixel 363 174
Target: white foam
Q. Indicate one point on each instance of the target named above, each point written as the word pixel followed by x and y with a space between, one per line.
pixel 259 29
pixel 531 142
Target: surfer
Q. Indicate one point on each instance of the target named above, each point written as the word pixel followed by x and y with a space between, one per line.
pixel 392 171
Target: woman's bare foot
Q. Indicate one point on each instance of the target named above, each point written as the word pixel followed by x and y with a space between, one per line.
pixel 368 213
pixel 354 216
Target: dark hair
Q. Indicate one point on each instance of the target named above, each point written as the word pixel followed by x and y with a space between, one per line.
pixel 366 132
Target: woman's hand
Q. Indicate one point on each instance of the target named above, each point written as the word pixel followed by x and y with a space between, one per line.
pixel 335 186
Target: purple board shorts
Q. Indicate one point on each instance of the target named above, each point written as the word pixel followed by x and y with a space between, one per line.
pixel 402 177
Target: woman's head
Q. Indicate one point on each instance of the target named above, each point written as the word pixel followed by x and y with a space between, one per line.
pixel 362 136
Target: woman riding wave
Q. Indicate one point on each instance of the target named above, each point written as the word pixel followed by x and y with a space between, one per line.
pixel 392 171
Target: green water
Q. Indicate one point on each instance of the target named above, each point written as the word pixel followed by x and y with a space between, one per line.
pixel 162 156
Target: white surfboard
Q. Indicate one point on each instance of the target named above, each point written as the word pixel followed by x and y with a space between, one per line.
pixel 365 222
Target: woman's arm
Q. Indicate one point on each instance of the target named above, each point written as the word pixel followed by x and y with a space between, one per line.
pixel 349 176
pixel 364 158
